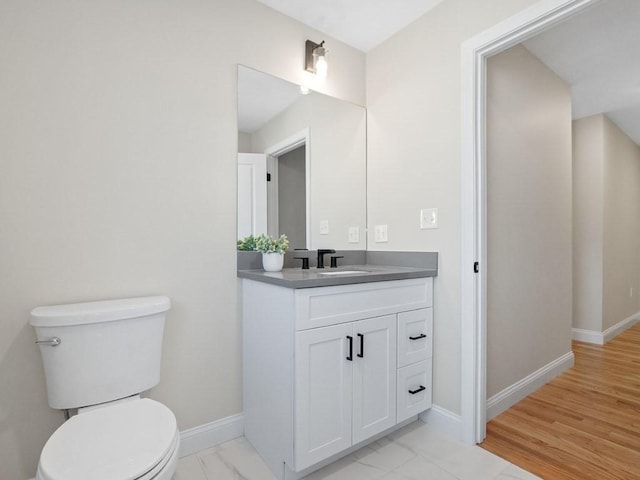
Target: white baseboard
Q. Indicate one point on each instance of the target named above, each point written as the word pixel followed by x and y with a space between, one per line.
pixel 444 420
pixel 620 327
pixel 519 390
pixel 194 440
pixel 587 336
pixel 211 434
pixel 600 338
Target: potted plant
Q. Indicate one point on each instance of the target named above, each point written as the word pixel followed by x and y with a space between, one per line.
pixel 272 250
pixel 247 244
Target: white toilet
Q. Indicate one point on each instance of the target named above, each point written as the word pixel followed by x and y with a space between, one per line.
pixel 98 357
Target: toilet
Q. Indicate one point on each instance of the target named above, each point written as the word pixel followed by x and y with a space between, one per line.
pixel 98 358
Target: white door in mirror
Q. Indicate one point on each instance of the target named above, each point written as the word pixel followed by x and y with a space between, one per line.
pixel 252 194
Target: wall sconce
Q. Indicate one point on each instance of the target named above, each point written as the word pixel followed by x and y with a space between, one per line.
pixel 315 59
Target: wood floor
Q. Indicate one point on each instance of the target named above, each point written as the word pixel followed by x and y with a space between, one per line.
pixel 584 424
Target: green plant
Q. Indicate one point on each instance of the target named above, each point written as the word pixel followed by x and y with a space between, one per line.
pixel 247 244
pixel 266 244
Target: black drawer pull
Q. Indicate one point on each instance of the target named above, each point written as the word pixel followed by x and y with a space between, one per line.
pixel 350 356
pixel 422 335
pixel 413 392
pixel 361 354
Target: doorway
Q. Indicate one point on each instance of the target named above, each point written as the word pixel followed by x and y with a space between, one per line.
pixel 289 189
pixel 475 52
pixel 287 199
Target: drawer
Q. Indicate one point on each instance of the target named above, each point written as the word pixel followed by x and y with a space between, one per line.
pixel 415 336
pixel 323 306
pixel 414 390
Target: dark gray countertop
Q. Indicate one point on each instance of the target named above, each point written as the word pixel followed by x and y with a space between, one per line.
pixel 298 278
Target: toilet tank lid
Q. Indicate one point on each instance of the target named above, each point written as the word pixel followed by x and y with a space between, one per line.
pixel 97 312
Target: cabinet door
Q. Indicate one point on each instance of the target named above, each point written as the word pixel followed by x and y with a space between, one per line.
pixel 374 376
pixel 323 392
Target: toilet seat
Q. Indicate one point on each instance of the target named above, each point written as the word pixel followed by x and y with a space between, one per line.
pixel 127 441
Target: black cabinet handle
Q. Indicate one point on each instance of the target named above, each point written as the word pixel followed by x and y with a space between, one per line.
pixel 413 392
pixel 361 354
pixel 422 335
pixel 350 356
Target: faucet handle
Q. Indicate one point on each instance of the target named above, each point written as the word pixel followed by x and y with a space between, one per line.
pixel 334 260
pixel 305 262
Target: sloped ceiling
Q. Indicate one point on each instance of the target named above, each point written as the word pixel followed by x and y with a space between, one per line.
pixel 596 53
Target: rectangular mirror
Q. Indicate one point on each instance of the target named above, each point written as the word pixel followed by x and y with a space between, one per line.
pixel 301 164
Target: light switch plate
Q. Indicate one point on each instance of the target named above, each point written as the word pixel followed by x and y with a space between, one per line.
pixel 324 227
pixel 428 218
pixel 381 233
pixel 354 234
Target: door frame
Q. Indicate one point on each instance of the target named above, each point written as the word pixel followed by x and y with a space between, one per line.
pixel 473 327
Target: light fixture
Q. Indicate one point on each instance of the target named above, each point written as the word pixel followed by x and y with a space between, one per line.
pixel 315 59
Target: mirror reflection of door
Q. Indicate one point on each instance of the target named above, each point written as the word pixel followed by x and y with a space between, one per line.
pixel 292 197
pixel 252 194
pixel 277 205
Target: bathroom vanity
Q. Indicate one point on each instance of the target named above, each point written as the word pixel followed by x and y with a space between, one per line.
pixel 332 361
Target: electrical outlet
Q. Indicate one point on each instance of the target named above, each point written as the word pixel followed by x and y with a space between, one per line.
pixel 324 227
pixel 428 218
pixel 380 233
pixel 354 234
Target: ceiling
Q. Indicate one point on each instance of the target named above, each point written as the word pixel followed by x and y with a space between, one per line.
pixel 363 24
pixel 595 52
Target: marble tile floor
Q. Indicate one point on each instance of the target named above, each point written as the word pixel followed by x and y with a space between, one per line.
pixel 415 452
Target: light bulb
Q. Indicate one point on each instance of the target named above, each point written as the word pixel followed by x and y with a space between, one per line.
pixel 321 67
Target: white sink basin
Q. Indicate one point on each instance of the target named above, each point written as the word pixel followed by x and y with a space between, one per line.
pixel 343 272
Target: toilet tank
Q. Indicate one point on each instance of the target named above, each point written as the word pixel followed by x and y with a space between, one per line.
pixel 108 349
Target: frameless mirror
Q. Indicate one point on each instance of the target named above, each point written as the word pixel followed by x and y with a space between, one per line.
pixel 301 164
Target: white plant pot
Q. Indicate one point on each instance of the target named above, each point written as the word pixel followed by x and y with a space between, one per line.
pixel 272 262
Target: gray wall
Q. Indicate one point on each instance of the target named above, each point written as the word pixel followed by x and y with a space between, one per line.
pixel 118 145
pixel 606 239
pixel 529 272
pixel 588 214
pixel 292 198
pixel 244 142
pixel 621 228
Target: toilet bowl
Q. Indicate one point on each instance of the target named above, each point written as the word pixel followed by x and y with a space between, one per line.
pixel 98 357
pixel 134 440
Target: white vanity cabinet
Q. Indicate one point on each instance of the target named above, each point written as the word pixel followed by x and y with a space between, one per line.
pixel 326 368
